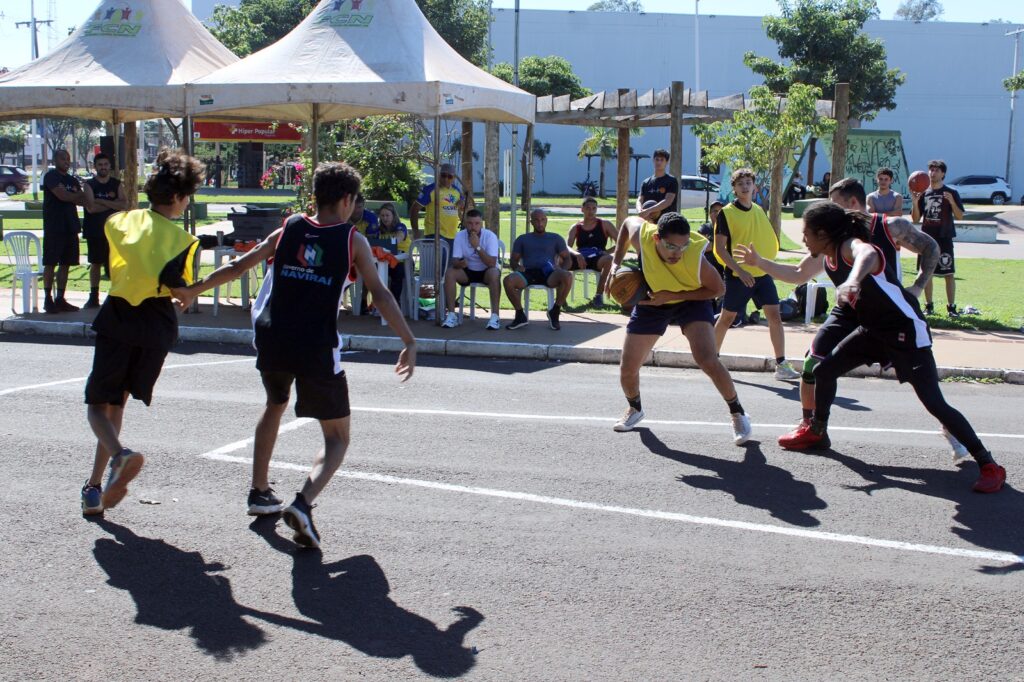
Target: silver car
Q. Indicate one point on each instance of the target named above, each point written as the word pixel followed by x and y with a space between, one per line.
pixel 693 189
pixel 982 188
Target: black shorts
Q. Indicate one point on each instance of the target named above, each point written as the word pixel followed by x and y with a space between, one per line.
pixel 99 248
pixel 591 262
pixel 832 331
pixel 317 397
pixel 534 276
pixel 655 319
pixel 119 368
pixel 868 348
pixel 737 294
pixel 60 246
pixel 947 262
pixel 475 276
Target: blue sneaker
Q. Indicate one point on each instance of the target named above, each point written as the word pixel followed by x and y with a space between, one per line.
pixel 91 499
pixel 299 517
pixel 124 467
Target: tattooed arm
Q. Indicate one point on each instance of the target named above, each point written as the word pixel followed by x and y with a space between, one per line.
pixel 909 237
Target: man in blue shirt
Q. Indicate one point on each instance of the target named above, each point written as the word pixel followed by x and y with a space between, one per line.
pixel 538 257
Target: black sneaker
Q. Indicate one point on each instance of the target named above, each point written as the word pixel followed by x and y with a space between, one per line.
pixel 299 517
pixel 952 311
pixel 929 309
pixel 553 314
pixel 598 301
pixel 93 302
pixel 521 320
pixel 263 502
pixel 50 306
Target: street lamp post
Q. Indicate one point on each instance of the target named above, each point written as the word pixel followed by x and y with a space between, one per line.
pixel 1013 100
pixel 696 79
pixel 515 132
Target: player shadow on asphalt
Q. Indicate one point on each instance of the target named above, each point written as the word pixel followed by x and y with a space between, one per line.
pixel 792 392
pixel 175 590
pixel 751 482
pixel 347 600
pixel 988 521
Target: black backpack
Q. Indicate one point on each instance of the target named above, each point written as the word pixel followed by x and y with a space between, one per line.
pixel 820 305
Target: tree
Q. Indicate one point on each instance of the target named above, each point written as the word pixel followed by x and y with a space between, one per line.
pixel 540 152
pixel 58 130
pixel 822 43
pixel 256 24
pixel 85 138
pixel 463 24
pixel 919 10
pixel 1014 83
pixel 13 137
pixel 761 137
pixel 602 143
pixel 541 76
pixel 616 6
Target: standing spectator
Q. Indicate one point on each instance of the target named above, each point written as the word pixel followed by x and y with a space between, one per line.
pixel 474 261
pixel 537 258
pixel 104 196
pixel 218 167
pixel 451 200
pixel 590 237
pixel 660 187
pixel 884 200
pixel 62 195
pixel 392 227
pixel 936 208
pixel 364 220
pixel 743 223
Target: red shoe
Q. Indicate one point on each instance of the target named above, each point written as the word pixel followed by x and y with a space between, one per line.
pixel 991 479
pixel 808 435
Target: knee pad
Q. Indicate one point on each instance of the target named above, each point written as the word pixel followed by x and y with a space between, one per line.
pixel 810 362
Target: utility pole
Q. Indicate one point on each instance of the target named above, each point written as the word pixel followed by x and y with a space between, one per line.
pixel 33 25
pixel 1013 101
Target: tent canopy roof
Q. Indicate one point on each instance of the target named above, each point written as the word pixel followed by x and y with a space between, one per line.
pixel 132 56
pixel 357 58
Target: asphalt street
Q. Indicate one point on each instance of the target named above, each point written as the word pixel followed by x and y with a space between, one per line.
pixel 489 524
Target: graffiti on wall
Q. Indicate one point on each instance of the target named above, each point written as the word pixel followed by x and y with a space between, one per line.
pixel 869 150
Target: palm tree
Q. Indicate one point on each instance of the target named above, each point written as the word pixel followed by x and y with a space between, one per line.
pixel 602 143
pixel 540 152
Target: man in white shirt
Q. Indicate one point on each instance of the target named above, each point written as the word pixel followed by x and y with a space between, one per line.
pixel 474 261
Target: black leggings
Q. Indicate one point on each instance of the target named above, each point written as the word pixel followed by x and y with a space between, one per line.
pixel 923 376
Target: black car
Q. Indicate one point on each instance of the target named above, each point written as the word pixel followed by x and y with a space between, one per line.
pixel 13 180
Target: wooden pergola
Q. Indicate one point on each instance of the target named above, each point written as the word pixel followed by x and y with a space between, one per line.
pixel 675 107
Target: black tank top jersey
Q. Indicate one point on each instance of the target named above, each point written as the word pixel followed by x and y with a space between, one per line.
pixel 879 237
pixel 94 222
pixel 295 317
pixel 595 238
pixel 883 307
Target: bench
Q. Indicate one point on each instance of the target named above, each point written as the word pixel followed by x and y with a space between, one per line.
pixel 801 205
pixel 977 231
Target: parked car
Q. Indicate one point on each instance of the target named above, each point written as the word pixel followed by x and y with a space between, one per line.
pixel 693 190
pixel 13 180
pixel 982 188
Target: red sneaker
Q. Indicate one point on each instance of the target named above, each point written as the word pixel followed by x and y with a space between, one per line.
pixel 808 435
pixel 991 479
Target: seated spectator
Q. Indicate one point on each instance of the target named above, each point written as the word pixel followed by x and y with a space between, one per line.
pixel 591 237
pixel 390 226
pixel 796 190
pixel 364 220
pixel 538 258
pixel 474 261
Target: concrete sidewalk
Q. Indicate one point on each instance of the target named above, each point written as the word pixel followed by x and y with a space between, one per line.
pixel 584 337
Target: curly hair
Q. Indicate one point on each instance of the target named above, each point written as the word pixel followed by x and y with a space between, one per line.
pixel 175 174
pixel 333 181
pixel 837 223
pixel 741 173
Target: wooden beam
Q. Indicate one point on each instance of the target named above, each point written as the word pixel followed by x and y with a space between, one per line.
pixel 491 198
pixel 466 155
pixel 131 164
pixel 622 178
pixel 561 103
pixel 676 130
pixel 544 103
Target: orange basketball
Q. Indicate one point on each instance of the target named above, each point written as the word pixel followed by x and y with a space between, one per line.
pixel 918 182
pixel 627 287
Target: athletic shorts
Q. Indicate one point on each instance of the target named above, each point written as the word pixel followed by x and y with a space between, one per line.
pixel 99 248
pixel 317 397
pixel 591 262
pixel 947 263
pixel 737 294
pixel 475 276
pixel 533 276
pixel 655 319
pixel 119 368
pixel 868 348
pixel 60 247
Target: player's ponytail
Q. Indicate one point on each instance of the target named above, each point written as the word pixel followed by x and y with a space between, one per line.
pixel 837 223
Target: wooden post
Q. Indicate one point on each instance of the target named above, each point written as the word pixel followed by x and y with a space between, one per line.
pixel 622 179
pixel 842 114
pixel 675 164
pixel 115 163
pixel 492 200
pixel 131 164
pixel 528 172
pixel 467 163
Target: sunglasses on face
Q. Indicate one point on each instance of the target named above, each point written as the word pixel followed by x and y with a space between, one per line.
pixel 673 248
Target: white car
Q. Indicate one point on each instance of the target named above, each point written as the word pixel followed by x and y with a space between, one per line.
pixel 976 188
pixel 693 191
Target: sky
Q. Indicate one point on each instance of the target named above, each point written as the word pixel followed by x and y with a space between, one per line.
pixel 71 13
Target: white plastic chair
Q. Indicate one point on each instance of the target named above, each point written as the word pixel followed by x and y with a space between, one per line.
pixel 19 246
pixel 420 270
pixel 526 296
pixel 820 282
pixel 586 280
pixel 472 287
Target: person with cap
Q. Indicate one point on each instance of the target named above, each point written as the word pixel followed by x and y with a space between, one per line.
pixel 451 203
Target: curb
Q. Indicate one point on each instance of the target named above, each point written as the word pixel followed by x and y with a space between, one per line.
pixel 496 349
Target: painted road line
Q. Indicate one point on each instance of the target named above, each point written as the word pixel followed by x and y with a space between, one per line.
pixel 246 442
pixel 897 545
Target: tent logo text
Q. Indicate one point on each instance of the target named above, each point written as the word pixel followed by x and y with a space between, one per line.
pixel 355 13
pixel 115 20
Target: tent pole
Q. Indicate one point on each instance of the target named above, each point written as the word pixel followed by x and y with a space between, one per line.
pixel 438 283
pixel 315 138
pixel 115 135
pixel 190 215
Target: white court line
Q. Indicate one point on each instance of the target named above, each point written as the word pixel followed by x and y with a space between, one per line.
pixel 18 389
pixel 666 422
pixel 246 442
pixel 1001 557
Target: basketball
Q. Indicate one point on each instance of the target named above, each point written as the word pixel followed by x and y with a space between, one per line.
pixel 918 182
pixel 627 287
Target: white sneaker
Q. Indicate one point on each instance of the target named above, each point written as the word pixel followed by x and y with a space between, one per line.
pixel 785 371
pixel 740 428
pixel 629 419
pixel 960 453
pixel 494 322
pixel 451 320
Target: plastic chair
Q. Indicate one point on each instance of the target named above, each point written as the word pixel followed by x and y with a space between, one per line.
pixel 19 246
pixel 472 287
pixel 586 281
pixel 526 296
pixel 821 282
pixel 421 258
